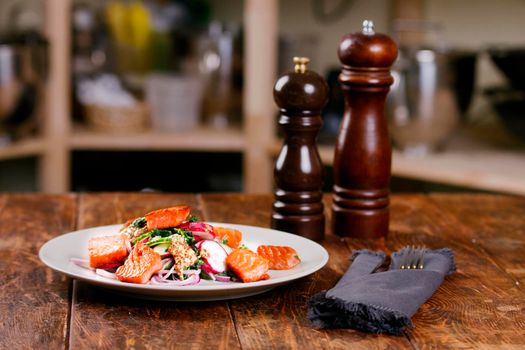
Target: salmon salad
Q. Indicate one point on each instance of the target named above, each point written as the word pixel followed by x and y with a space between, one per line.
pixel 171 246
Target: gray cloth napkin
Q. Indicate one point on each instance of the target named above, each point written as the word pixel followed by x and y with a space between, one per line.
pixel 381 302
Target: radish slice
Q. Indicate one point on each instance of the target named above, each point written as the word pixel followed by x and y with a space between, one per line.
pixel 227 248
pixel 214 256
pixel 200 230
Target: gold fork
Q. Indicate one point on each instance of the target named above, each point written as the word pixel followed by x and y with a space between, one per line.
pixel 412 258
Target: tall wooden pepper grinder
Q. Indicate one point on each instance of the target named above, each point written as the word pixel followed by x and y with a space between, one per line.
pixel 363 154
pixel 298 206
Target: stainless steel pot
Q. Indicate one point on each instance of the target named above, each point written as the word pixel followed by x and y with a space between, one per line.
pixel 432 88
pixel 422 108
pixel 23 69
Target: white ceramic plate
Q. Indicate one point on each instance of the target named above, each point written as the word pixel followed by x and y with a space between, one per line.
pixel 57 253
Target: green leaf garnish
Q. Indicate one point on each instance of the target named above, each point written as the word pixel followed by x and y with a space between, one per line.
pixel 158 240
pixel 188 236
pixel 141 237
pixel 139 222
pixel 161 233
pixel 197 265
pixel 205 276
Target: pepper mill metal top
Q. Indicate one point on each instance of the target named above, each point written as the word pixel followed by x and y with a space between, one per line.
pixel 301 89
pixel 367 48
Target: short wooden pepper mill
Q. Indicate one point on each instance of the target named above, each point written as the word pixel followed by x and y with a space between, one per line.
pixel 363 154
pixel 298 206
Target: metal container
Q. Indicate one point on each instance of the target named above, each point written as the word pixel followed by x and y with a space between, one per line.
pixel 433 87
pixel 423 106
pixel 23 68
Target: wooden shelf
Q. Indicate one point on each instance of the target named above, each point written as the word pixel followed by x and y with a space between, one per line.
pixel 486 170
pixel 23 148
pixel 467 162
pixel 60 136
pixel 200 139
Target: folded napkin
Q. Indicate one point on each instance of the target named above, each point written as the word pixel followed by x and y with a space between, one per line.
pixel 381 302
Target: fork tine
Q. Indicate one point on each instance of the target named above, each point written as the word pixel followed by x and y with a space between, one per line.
pixel 404 257
pixel 407 257
pixel 413 257
pixel 420 263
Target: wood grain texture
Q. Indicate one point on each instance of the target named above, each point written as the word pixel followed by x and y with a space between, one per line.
pixel 495 224
pixel 115 208
pixel 34 300
pixel 104 320
pixel 239 208
pixel 277 319
pixel 480 306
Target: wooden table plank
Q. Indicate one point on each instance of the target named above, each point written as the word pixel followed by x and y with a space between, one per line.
pixel 495 223
pixel 479 306
pixel 277 319
pixel 104 320
pixel 34 300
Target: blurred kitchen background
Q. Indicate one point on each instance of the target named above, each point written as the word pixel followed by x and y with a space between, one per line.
pixel 176 95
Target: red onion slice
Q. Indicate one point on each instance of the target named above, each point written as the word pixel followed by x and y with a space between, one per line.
pixel 105 273
pixel 219 278
pixel 170 271
pixel 109 266
pixel 82 263
pixel 192 272
pixel 192 280
pixel 200 230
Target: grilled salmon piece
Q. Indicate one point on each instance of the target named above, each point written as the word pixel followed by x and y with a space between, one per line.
pixel 247 265
pixel 232 237
pixel 167 217
pixel 107 250
pixel 279 257
pixel 140 265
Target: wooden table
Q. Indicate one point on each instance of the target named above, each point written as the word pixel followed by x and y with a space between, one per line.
pixel 481 306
